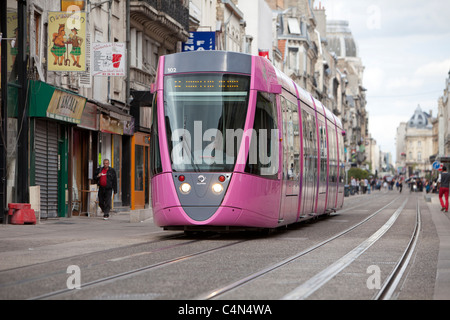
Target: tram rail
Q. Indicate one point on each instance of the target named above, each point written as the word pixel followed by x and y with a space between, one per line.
pixel 306 289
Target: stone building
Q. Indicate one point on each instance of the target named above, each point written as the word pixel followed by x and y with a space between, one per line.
pixel 416 139
pixel 230 26
pixel 444 121
pixel 108 91
pixel 354 116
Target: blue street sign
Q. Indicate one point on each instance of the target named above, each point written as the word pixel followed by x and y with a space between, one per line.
pixel 436 165
pixel 200 41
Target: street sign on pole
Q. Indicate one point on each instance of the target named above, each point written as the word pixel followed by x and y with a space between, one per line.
pixel 436 165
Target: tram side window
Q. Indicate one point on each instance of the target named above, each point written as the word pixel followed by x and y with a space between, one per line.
pixel 155 155
pixel 306 142
pixel 309 146
pixel 263 153
pixel 332 154
pixel 323 156
pixel 341 159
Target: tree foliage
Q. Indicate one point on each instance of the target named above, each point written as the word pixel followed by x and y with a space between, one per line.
pixel 357 173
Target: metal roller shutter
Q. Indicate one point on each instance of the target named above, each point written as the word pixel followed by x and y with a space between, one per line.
pixel 46 166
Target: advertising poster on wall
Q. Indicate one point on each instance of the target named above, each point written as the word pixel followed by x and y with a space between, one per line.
pixel 67 41
pixel 108 59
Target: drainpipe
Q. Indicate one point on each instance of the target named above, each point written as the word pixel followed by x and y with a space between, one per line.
pixel 128 39
pixel 225 32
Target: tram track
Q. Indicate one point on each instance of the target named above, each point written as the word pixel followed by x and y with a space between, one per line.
pixel 314 284
pixel 84 255
pixel 137 271
pixel 390 285
pixel 51 270
pixel 173 258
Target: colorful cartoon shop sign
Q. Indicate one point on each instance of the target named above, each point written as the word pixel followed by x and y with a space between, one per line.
pixel 67 41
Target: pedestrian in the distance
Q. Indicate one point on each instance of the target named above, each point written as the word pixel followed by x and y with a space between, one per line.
pixel 444 189
pixel 107 182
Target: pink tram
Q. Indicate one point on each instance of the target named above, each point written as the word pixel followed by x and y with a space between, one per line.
pixel 235 143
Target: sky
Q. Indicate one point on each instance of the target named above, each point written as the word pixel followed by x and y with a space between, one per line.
pixel 404 46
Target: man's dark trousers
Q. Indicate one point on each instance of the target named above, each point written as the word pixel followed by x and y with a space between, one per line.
pixel 104 198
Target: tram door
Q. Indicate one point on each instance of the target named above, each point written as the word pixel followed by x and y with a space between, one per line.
pixel 291 163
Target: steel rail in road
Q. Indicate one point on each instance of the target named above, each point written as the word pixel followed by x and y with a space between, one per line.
pixel 316 282
pixel 222 290
pixel 126 274
pixel 390 285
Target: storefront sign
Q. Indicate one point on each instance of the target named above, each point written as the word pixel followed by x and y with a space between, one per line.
pixel 89 118
pixel 108 59
pixel 66 107
pixel 67 41
pixel 263 53
pixel 128 127
pixel 111 125
pixel 68 5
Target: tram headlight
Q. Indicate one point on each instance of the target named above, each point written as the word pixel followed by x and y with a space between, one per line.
pixel 185 188
pixel 217 188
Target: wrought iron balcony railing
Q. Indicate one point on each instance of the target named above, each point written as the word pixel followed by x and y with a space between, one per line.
pixel 177 9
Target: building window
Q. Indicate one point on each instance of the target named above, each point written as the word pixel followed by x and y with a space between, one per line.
pixel 293 59
pixel 294 27
pixel 136 48
pixel 37 22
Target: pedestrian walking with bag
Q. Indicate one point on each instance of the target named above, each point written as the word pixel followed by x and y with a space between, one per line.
pixel 107 182
pixel 444 179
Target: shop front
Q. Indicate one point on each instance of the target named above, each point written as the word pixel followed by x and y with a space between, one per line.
pixel 53 114
pixel 140 149
pixel 140 157
pixel 102 134
pixel 115 134
pixel 84 154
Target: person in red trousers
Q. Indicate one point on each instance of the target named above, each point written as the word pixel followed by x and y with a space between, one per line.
pixel 444 189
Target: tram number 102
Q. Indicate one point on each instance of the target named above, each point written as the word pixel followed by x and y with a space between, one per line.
pixel 171 70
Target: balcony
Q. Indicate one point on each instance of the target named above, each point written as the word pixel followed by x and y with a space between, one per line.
pixel 167 19
pixel 140 79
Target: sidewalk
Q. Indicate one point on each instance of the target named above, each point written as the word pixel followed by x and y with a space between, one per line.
pixel 442 223
pixel 58 238
pixel 138 215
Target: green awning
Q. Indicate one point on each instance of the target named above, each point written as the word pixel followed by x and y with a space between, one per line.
pixel 47 101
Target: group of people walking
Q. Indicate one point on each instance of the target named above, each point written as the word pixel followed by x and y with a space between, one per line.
pixel 440 185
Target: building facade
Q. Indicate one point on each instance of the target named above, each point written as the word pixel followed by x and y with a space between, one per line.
pixel 415 142
pixel 76 91
pixel 98 59
pixel 444 121
pixel 354 115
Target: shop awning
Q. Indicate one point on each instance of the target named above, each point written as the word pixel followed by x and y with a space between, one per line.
pixel 47 101
pixel 114 119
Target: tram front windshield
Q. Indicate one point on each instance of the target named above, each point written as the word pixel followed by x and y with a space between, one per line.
pixel 205 116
